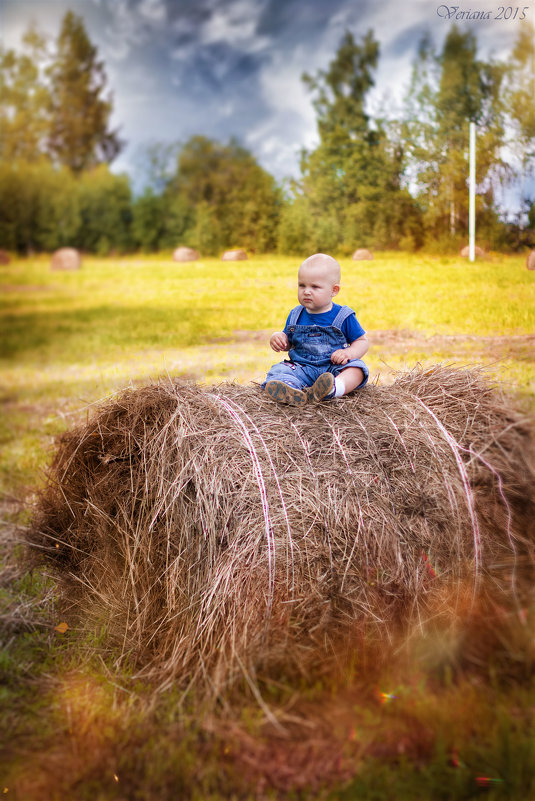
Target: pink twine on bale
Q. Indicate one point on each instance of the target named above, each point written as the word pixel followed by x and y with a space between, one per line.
pixel 454 445
pixel 263 493
pixel 275 475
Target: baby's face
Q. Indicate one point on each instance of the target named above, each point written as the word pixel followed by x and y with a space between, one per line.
pixel 316 288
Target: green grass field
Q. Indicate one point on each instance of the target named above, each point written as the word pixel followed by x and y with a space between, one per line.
pixel 74 728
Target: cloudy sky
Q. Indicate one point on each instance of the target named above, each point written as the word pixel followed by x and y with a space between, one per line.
pixel 233 67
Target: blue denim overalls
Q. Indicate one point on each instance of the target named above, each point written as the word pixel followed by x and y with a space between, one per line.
pixel 311 347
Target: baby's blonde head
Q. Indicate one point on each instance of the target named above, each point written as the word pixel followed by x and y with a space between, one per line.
pixel 324 265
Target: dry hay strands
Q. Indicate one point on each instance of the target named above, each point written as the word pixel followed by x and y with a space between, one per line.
pixel 222 534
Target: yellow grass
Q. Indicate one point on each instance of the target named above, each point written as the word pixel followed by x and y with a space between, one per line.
pixel 72 338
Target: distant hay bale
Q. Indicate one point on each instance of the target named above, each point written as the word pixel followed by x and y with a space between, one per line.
pixel 185 254
pixel 530 261
pixel 5 258
pixel 234 255
pixel 362 254
pixel 479 252
pixel 66 259
pixel 220 533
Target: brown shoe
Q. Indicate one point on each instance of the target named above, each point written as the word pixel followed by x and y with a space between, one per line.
pixel 284 393
pixel 322 386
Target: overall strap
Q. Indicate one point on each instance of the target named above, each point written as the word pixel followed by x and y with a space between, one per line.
pixel 294 315
pixel 342 315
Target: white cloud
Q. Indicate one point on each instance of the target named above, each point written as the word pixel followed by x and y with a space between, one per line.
pixel 278 139
pixel 130 27
pixel 277 152
pixel 182 53
pixel 234 24
pixel 117 50
pixel 227 109
pixel 184 25
pixel 283 89
pixel 123 32
pixel 340 20
pixel 153 10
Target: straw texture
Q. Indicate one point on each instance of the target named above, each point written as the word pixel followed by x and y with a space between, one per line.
pixel 220 534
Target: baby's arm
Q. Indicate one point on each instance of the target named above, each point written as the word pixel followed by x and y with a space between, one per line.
pixel 279 341
pixel 356 350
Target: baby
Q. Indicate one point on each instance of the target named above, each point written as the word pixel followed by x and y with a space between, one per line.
pixel 325 341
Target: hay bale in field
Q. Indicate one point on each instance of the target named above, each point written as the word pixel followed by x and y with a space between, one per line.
pixel 66 259
pixel 479 252
pixel 5 258
pixel 219 532
pixel 185 254
pixel 530 261
pixel 362 254
pixel 234 255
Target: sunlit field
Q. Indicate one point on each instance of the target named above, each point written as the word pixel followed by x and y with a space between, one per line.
pixel 69 339
pixel 75 727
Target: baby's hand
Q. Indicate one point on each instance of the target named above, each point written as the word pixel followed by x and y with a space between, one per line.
pixel 339 357
pixel 279 341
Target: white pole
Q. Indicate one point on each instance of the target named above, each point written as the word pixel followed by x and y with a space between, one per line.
pixel 472 195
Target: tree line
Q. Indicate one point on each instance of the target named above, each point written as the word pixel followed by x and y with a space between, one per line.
pixel 372 181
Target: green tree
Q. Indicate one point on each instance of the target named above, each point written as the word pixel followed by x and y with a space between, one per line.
pixel 224 196
pixel 296 227
pixel 24 100
pixel 148 221
pixel 79 135
pixel 351 181
pixel 156 163
pixel 105 209
pixel 38 206
pixel 449 91
pixel 161 221
pixel 207 235
pixel 520 104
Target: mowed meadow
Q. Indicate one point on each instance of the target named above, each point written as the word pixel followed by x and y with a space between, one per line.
pixel 76 727
pixel 69 339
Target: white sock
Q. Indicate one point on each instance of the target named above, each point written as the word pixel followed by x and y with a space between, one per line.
pixel 339 387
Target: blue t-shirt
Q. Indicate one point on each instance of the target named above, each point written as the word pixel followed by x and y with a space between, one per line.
pixel 351 328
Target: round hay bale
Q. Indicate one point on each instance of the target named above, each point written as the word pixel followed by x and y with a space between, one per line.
pixel 362 254
pixel 185 254
pixel 66 259
pixel 530 261
pixel 5 258
pixel 478 252
pixel 234 255
pixel 220 533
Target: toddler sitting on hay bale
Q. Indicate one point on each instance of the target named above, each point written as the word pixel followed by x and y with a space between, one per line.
pixel 220 535
pixel 326 341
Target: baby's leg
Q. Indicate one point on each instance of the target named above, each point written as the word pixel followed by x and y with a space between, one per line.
pixel 291 373
pixel 285 382
pixel 351 377
pixel 338 381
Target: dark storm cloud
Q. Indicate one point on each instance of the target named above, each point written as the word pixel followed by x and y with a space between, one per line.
pixel 278 17
pixel 218 68
pixel 296 19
